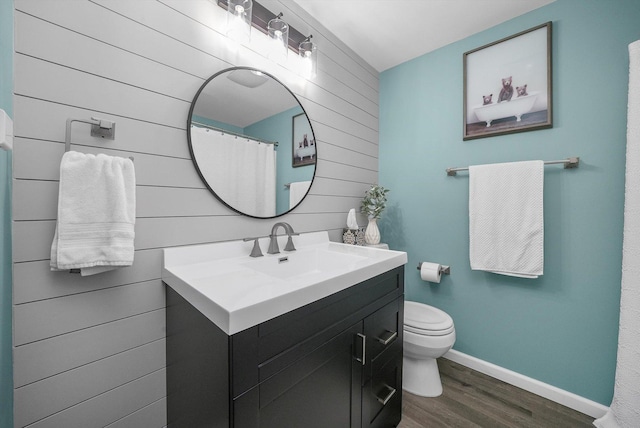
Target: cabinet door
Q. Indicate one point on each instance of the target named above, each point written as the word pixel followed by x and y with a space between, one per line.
pixel 321 390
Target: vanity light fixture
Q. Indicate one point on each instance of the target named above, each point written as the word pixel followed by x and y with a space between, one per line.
pixel 239 18
pixel 260 17
pixel 278 32
pixel 309 53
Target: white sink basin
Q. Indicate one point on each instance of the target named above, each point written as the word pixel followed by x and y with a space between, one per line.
pixel 306 262
pixel 236 291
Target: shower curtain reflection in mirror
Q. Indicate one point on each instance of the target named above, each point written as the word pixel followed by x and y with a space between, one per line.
pixel 243 170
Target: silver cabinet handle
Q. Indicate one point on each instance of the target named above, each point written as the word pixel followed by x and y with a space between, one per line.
pixel 385 400
pixel 389 339
pixel 364 348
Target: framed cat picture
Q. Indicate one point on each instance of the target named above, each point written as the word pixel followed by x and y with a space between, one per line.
pixel 507 85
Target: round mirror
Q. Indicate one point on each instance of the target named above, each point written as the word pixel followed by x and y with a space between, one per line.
pixel 252 142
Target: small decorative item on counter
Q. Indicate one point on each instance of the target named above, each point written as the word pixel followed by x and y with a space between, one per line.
pixel 351 219
pixel 374 202
pixel 354 236
pixel 372 234
pixel 360 236
pixel 349 236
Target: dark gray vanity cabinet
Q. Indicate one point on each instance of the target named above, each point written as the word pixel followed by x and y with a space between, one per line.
pixel 336 362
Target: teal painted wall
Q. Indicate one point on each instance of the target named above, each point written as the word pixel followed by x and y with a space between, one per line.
pixel 6 103
pixel 562 328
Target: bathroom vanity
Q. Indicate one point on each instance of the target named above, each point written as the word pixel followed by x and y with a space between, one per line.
pixel 332 357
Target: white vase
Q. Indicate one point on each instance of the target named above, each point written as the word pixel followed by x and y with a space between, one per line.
pixel 372 234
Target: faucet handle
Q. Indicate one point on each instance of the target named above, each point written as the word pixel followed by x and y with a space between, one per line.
pixel 290 246
pixel 273 245
pixel 256 251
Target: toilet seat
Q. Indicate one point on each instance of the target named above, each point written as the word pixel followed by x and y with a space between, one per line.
pixel 426 320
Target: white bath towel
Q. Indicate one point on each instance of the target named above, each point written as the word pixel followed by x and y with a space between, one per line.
pixel 506 228
pixel 96 213
pixel 297 190
pixel 625 406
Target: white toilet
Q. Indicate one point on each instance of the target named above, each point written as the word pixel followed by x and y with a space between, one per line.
pixel 428 334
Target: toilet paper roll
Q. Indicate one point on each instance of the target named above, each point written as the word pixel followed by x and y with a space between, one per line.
pixel 430 272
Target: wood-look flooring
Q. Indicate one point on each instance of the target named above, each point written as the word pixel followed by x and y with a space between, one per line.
pixel 472 399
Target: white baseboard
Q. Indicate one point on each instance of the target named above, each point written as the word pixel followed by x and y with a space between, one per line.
pixel 550 392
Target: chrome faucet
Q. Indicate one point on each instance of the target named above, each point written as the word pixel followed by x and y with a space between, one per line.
pixel 273 238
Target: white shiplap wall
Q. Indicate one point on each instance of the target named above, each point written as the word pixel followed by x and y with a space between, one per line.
pixel 90 351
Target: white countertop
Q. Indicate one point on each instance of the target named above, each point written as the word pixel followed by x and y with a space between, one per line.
pixel 236 291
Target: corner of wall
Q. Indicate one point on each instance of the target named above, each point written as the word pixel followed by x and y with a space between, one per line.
pixel 6 281
pixel 6 172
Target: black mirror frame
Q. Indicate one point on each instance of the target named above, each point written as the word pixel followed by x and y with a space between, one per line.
pixel 195 162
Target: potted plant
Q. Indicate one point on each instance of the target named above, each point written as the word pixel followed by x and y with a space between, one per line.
pixel 374 202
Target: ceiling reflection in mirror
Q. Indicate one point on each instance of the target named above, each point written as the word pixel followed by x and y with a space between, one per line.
pixel 252 142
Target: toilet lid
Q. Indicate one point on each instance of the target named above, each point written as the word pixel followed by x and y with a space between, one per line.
pixel 427 320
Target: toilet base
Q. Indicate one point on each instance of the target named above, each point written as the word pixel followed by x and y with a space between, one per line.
pixel 421 377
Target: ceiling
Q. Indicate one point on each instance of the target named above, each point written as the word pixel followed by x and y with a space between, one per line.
pixel 386 33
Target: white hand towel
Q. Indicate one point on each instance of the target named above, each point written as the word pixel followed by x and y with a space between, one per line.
pixel 506 228
pixel 96 214
pixel 297 190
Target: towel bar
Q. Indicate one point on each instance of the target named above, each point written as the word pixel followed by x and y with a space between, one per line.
pixel 572 162
pixel 99 128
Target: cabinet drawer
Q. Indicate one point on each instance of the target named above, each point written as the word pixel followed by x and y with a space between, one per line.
pixel 289 329
pixel 382 395
pixel 384 328
pixel 262 351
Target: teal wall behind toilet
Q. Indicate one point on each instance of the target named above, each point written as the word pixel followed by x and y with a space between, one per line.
pixel 562 328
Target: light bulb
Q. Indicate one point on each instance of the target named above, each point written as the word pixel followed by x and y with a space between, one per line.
pixel 278 32
pixel 308 55
pixel 239 22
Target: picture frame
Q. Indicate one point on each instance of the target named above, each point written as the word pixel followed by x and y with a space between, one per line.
pixel 507 85
pixel 303 143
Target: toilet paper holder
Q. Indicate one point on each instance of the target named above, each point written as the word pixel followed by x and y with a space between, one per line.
pixel 444 270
